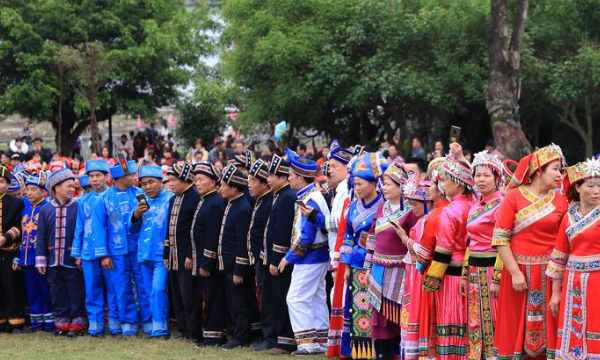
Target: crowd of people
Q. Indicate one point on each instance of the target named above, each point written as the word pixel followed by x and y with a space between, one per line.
pixel 356 255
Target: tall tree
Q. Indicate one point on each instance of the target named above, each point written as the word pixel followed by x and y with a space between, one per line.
pixel 504 86
pixel 154 44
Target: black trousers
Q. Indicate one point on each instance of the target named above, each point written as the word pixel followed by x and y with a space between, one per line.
pixel 274 310
pixel 216 306
pixel 11 294
pixel 67 291
pixel 241 305
pixel 186 296
pixel 268 314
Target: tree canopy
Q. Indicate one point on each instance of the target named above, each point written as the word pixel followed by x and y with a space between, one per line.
pixel 154 46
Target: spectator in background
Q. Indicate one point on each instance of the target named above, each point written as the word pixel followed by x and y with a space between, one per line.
pixel 438 151
pixel 322 159
pixel 15 160
pixel 490 146
pixel 417 167
pixel 151 134
pixel 149 158
pixel 393 154
pixel 38 145
pixel 26 133
pixel 417 149
pixel 468 155
pixel 105 154
pixel 238 148
pixel 301 150
pixel 171 139
pixel 125 145
pixel 77 145
pixel 214 152
pixel 167 156
pixel 198 151
pixel 4 159
pixel 175 152
pixel 266 155
pixel 139 145
pixel 220 164
pixel 17 146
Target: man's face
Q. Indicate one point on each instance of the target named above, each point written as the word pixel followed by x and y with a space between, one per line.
pixel 416 144
pixel 228 192
pixel 177 184
pixel 97 180
pixel 296 181
pixel 35 194
pixel 256 187
pixel 65 190
pixel 38 145
pixel 5 160
pixel 239 148
pixel 300 151
pixel 338 171
pixel 151 186
pixel 412 168
pixel 204 184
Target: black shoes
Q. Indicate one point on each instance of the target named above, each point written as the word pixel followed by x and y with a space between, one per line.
pixel 263 346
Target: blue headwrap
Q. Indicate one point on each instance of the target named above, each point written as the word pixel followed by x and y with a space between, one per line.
pixel 96 165
pixel 301 166
pixel 339 153
pixel 370 167
pixel 84 181
pixel 151 171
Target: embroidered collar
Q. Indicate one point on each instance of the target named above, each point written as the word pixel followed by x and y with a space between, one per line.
pixel 372 202
pixel 263 195
pixel 531 197
pixel 57 203
pixel 2 196
pixel 208 193
pixel 281 188
pixel 235 198
pixel 302 193
pixel 484 201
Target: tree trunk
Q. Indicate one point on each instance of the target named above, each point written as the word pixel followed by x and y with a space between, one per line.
pixel 502 94
pixel 589 131
pixel 96 145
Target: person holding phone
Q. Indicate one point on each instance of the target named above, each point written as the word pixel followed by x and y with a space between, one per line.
pixel 307 295
pixel 150 221
pixel 117 247
pixel 367 170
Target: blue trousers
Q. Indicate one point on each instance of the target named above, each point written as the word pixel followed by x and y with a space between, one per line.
pixel 97 284
pixel 155 283
pixel 126 273
pixel 40 300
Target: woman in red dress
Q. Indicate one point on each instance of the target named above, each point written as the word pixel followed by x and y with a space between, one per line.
pixel 575 264
pixel 525 232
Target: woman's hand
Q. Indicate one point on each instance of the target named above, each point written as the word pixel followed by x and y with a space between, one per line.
pixel 518 282
pixel 494 290
pixel 554 304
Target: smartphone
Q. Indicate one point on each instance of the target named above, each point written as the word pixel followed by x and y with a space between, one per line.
pixel 300 203
pixel 394 223
pixel 141 198
pixel 454 134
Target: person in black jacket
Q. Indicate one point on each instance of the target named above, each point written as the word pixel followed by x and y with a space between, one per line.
pixel 11 305
pixel 260 191
pixel 205 236
pixel 180 255
pixel 276 245
pixel 232 257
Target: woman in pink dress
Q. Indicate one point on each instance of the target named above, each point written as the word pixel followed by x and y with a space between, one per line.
pixel 481 274
pixel 444 275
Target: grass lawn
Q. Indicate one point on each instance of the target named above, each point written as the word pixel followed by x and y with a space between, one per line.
pixel 43 346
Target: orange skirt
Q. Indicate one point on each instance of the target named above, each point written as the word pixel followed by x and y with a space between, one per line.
pixel 525 327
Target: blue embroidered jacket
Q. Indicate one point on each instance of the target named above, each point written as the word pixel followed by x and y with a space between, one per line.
pixel 84 244
pixel 111 213
pixel 29 228
pixel 305 251
pixel 360 218
pixel 152 227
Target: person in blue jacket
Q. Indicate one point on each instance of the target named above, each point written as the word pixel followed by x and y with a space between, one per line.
pixel 117 247
pixel 150 220
pixel 307 296
pixel 96 278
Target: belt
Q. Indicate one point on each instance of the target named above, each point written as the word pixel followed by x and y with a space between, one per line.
pixel 454 271
pixel 482 261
